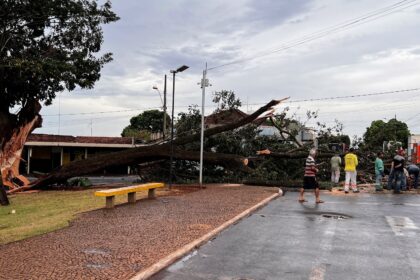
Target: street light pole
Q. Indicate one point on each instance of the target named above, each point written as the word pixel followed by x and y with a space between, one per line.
pixel 164 110
pixel 204 84
pixel 180 69
pixel 172 131
pixel 163 107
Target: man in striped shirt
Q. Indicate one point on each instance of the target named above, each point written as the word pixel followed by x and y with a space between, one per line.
pixel 309 179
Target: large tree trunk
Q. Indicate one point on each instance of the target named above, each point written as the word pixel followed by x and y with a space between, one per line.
pixel 298 154
pixel 151 153
pixel 14 130
pixel 133 156
pixel 4 201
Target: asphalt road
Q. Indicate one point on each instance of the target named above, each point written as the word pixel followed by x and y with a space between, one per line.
pixel 357 236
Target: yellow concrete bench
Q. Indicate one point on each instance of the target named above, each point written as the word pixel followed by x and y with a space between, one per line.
pixel 131 191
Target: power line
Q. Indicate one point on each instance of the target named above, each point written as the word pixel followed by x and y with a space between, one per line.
pixel 330 30
pixel 412 117
pixel 102 112
pixel 354 96
pixel 345 96
pixel 215 106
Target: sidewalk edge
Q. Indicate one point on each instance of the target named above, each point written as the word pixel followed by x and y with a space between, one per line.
pixel 173 257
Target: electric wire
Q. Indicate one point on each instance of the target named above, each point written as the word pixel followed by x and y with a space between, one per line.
pixel 249 104
pixel 330 30
pixel 102 112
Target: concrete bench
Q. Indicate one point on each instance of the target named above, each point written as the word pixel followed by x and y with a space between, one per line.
pixel 131 191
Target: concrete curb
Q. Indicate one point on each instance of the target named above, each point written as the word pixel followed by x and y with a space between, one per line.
pixel 170 259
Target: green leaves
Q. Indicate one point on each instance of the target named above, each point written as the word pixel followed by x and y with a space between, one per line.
pixel 148 121
pixel 380 131
pixel 47 46
pixel 226 100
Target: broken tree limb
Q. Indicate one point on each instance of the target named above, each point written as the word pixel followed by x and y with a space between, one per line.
pixel 284 131
pixel 14 132
pixel 294 155
pixel 231 126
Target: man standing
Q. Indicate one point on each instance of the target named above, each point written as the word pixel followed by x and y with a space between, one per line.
pixel 335 169
pixel 309 179
pixel 379 171
pixel 413 171
pixel 351 162
pixel 397 170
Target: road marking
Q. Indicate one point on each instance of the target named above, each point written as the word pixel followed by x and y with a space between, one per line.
pixel 412 204
pixel 320 268
pixel 400 225
pixel 374 203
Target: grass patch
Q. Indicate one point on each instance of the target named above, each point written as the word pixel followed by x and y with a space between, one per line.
pixel 42 212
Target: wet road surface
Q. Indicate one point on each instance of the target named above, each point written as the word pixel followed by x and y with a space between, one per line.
pixel 357 236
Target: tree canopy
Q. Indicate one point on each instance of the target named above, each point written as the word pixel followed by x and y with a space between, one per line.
pixel 226 100
pixel 380 131
pixel 148 121
pixel 47 46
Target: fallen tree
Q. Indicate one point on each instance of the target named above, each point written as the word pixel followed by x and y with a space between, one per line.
pixel 153 153
pixel 295 154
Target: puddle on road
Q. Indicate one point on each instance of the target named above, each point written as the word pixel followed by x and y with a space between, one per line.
pixel 337 217
pixel 326 215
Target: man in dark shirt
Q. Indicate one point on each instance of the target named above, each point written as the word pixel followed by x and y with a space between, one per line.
pixel 413 171
pixel 397 169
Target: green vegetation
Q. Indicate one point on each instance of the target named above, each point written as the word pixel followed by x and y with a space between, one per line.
pixel 380 131
pixel 38 213
pixel 145 123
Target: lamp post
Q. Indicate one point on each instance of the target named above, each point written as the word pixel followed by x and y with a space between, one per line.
pixel 180 69
pixel 164 107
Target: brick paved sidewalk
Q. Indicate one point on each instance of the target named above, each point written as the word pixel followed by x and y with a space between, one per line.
pixel 118 243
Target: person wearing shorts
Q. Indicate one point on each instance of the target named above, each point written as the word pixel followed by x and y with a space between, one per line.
pixel 309 179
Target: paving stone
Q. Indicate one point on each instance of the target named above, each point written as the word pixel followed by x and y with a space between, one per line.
pixel 118 243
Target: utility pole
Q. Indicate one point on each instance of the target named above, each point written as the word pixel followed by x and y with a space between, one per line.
pixel 395 128
pixel 204 83
pixel 164 110
pixel 247 109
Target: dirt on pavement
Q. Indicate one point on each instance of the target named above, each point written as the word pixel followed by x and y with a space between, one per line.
pixel 118 243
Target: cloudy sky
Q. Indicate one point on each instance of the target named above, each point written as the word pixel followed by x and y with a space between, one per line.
pixel 267 49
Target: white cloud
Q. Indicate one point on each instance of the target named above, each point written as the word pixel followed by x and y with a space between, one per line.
pixel 153 37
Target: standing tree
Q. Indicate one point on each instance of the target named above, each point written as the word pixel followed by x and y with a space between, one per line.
pixel 46 47
pixel 226 100
pixel 380 131
pixel 145 123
